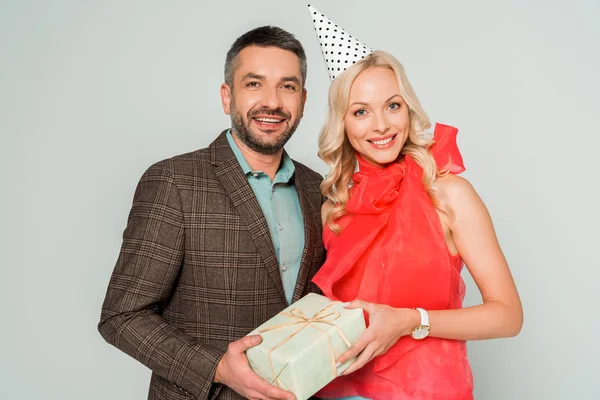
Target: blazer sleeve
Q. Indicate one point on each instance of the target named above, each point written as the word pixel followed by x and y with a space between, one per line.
pixel 142 282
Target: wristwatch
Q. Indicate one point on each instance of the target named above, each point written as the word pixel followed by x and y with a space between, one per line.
pixel 421 331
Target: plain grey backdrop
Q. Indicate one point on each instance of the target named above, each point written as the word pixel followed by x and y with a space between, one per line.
pixel 94 92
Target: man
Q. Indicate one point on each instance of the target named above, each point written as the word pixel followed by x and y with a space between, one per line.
pixel 221 239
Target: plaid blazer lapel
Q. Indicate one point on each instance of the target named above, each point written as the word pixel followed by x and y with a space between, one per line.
pixel 310 236
pixel 234 181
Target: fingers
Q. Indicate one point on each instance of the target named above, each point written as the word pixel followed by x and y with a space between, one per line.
pixel 362 360
pixel 268 391
pixel 240 377
pixel 258 388
pixel 368 307
pixel 243 344
pixel 355 349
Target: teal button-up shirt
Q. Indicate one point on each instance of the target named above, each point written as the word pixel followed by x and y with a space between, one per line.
pixel 281 207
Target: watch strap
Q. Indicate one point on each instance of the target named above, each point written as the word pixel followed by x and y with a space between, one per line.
pixel 424 316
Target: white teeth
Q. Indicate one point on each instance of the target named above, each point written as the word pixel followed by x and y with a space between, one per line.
pixel 382 142
pixel 268 120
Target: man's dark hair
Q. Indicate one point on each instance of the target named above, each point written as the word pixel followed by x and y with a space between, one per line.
pixel 264 36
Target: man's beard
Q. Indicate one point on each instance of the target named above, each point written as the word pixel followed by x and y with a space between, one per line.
pixel 247 136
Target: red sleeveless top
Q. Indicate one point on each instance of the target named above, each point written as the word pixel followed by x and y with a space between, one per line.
pixel 391 250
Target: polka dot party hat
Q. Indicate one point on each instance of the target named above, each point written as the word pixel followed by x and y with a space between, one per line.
pixel 340 50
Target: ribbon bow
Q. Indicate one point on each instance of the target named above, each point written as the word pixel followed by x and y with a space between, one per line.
pixel 298 317
pixel 374 187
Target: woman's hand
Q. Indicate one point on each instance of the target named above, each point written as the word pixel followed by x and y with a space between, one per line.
pixel 386 325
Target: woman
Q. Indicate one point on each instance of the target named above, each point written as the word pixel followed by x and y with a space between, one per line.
pixel 397 233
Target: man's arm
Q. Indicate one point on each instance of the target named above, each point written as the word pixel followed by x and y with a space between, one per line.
pixel 141 285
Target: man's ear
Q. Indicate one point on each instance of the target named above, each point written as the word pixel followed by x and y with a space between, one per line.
pixel 226 98
pixel 303 99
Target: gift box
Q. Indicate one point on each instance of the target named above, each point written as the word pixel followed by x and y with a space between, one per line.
pixel 301 343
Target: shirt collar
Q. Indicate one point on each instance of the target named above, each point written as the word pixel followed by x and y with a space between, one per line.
pixel 286 167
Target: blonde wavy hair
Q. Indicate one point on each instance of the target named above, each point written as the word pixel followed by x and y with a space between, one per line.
pixel 337 152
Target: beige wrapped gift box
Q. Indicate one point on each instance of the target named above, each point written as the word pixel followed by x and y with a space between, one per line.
pixel 301 343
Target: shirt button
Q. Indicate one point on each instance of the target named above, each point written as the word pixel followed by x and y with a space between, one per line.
pixel 280 227
pixel 255 174
pixel 284 268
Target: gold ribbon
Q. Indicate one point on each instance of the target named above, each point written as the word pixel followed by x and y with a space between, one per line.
pixel 320 317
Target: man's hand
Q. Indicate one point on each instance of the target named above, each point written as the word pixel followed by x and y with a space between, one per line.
pixel 235 372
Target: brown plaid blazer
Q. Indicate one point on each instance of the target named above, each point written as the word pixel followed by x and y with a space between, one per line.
pixel 197 269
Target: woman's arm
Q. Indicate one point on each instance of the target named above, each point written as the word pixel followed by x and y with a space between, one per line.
pixel 474 237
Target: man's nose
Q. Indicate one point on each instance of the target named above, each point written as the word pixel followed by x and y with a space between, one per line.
pixel 271 99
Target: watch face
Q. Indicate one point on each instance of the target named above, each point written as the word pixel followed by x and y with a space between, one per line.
pixel 420 333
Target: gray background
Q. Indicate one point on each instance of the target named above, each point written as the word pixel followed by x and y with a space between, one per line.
pixel 92 93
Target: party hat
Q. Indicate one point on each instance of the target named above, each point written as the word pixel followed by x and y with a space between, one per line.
pixel 340 50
